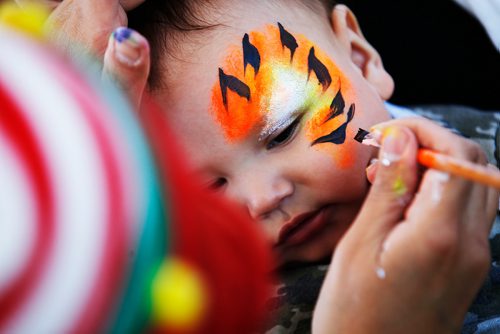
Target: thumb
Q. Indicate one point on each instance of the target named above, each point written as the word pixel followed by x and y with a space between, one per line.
pixel 395 181
pixel 371 170
pixel 127 60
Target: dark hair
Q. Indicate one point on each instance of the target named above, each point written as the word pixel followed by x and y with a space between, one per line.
pixel 162 21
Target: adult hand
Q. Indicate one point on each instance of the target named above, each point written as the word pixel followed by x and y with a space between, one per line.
pixel 418 252
pixel 86 25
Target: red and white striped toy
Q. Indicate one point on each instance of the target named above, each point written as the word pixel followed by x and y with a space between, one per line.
pixel 85 230
pixel 69 208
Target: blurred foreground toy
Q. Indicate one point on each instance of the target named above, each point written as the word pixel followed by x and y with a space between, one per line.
pixel 30 19
pixel 96 204
pixel 78 185
pixel 178 295
pixel 214 237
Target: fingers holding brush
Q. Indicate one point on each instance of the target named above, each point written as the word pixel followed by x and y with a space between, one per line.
pixel 432 136
pixel 491 205
pixel 408 244
pixel 421 236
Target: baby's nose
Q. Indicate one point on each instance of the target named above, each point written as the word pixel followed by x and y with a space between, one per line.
pixel 263 197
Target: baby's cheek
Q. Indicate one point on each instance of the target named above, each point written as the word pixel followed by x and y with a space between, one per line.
pixel 346 154
pixel 343 156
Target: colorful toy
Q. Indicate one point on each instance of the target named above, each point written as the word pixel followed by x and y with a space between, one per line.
pixel 101 228
pixel 67 191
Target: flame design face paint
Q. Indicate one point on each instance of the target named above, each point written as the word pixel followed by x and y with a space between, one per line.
pixel 273 77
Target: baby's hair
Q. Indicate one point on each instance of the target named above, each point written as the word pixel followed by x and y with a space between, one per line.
pixel 163 21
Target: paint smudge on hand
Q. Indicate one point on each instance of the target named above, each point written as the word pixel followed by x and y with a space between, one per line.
pixel 399 186
pixel 439 179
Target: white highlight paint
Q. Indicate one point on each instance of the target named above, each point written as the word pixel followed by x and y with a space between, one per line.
pixel 289 92
pixel 81 200
pixel 17 216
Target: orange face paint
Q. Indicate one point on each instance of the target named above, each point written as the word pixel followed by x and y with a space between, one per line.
pixel 274 76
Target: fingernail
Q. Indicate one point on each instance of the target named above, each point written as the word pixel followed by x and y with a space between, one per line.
pixel 376 135
pixel 394 142
pixel 378 127
pixel 372 164
pixel 128 45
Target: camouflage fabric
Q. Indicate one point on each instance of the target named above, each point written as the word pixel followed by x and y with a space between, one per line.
pixel 482 127
pixel 295 296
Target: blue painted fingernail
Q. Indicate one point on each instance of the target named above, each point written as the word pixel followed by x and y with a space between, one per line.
pixel 128 46
pixel 122 34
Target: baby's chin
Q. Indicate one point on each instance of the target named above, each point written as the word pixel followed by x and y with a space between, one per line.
pixel 318 249
pixel 303 255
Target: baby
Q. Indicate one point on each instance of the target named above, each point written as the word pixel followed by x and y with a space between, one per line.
pixel 267 107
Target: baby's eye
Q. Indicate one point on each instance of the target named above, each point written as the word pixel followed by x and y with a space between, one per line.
pixel 217 184
pixel 284 136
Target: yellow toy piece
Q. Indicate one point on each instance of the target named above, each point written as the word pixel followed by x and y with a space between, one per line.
pixel 30 19
pixel 178 296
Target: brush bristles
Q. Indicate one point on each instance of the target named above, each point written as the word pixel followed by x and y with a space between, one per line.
pixel 360 135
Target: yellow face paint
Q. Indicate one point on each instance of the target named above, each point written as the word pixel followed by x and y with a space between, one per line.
pixel 273 77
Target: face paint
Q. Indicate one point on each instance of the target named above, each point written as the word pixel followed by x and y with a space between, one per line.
pixel 271 79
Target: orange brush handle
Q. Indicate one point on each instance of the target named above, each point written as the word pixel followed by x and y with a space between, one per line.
pixel 465 169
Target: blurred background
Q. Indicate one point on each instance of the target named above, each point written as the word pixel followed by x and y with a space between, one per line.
pixel 436 51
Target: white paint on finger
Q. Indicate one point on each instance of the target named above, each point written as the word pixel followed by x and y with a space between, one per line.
pixel 380 272
pixel 438 181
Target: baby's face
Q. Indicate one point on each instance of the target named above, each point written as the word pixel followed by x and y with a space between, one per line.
pixel 268 119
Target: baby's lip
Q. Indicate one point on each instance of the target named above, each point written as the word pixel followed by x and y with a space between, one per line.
pixel 301 227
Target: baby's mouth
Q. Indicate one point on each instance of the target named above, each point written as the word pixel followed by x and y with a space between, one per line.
pixel 302 227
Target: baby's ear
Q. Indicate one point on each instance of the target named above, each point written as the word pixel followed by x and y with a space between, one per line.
pixel 363 55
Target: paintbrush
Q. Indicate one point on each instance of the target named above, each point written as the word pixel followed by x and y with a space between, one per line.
pixel 445 163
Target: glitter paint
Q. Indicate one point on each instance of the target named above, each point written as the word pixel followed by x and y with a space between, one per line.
pixel 286 75
pixel 289 97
